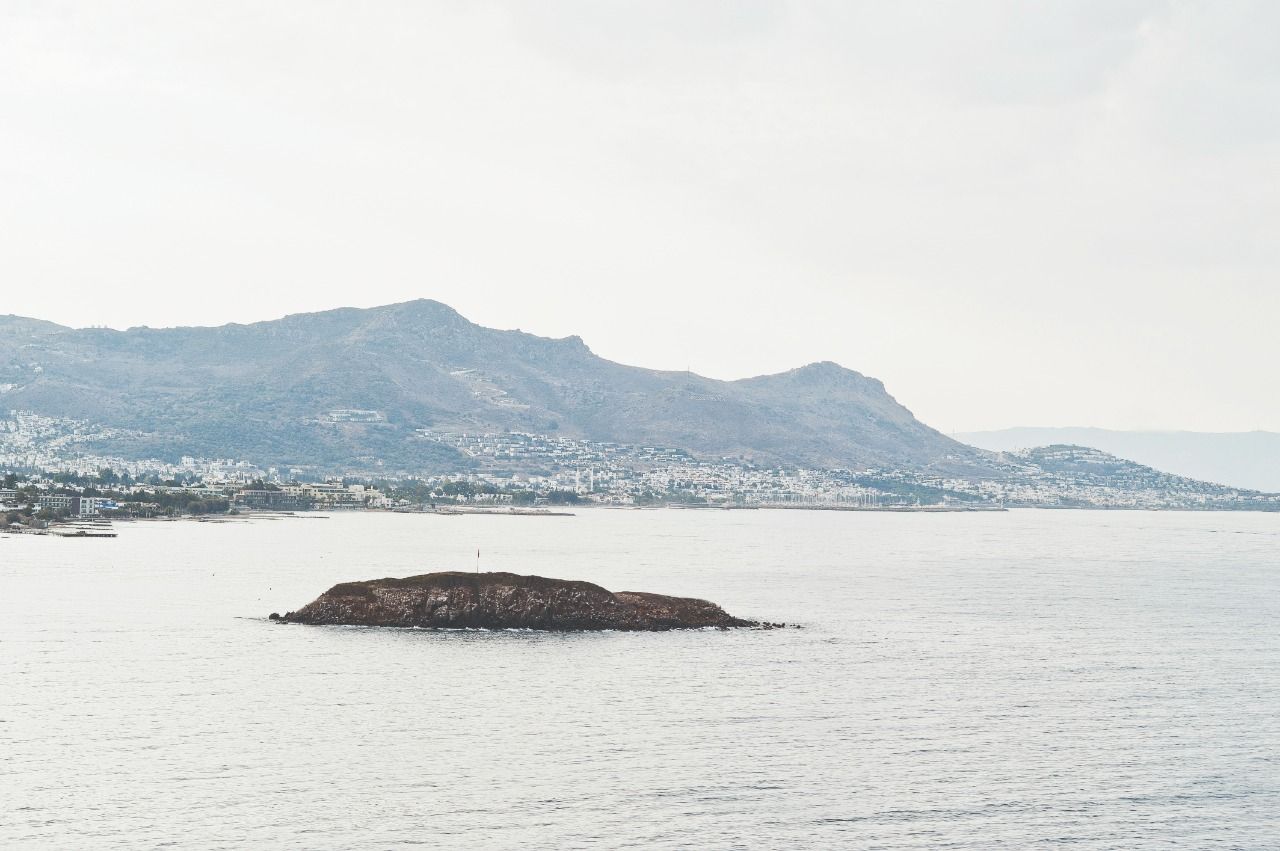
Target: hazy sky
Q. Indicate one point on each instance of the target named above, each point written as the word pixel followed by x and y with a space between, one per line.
pixel 1012 213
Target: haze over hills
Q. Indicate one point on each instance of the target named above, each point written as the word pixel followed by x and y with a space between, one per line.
pixel 1241 459
pixel 353 388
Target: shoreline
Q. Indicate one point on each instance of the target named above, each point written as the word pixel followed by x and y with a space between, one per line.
pixel 105 528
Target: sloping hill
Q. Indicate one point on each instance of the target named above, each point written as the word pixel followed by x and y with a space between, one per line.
pixel 1243 459
pixel 269 391
pixel 1080 476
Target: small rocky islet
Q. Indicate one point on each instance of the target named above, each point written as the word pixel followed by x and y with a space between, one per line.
pixel 460 600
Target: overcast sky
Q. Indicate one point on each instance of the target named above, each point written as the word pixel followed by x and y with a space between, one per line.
pixel 1013 213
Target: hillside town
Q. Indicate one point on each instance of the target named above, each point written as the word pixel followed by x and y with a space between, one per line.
pixel 49 476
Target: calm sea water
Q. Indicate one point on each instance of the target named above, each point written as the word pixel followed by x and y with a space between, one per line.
pixel 1095 680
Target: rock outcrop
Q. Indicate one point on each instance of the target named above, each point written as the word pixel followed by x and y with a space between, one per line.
pixel 504 601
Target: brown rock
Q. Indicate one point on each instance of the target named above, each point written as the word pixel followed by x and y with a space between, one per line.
pixel 505 601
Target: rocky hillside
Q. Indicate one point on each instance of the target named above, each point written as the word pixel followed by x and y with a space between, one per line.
pixel 1079 476
pixel 1241 459
pixel 352 388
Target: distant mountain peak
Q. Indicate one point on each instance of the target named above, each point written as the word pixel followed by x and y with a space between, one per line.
pixel 419 307
pixel 826 369
pixel 822 374
pixel 573 341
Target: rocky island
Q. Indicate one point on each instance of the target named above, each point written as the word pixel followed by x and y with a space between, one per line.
pixel 454 600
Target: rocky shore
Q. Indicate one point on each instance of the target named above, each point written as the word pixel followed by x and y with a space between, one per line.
pixel 457 600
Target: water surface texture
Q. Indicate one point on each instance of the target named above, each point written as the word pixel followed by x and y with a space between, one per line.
pixel 1093 680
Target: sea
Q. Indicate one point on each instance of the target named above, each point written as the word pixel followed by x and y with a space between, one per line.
pixel 1021 679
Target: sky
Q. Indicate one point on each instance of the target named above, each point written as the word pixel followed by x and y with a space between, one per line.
pixel 1011 213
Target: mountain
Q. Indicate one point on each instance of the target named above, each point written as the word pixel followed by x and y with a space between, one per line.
pixel 1241 459
pixel 353 389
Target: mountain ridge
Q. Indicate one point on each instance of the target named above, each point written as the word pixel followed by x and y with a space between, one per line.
pixel 264 389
